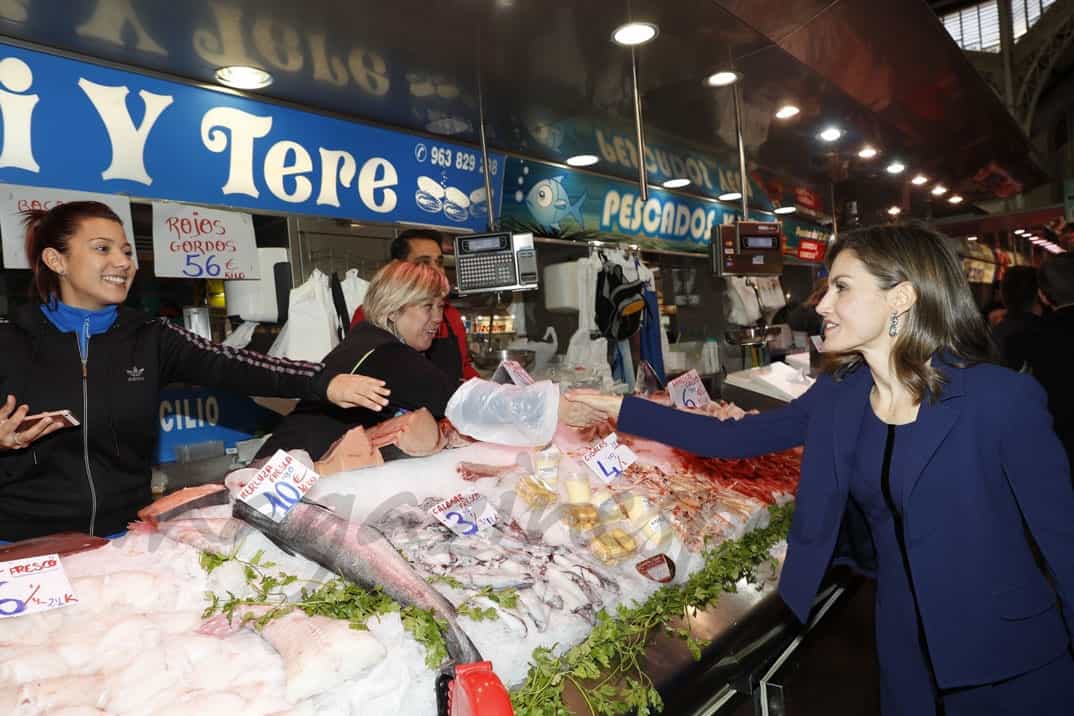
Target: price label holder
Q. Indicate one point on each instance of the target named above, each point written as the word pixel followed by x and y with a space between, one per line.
pixel 466 513
pixel 608 459
pixel 278 486
pixel 687 391
pixel 511 371
pixel 34 584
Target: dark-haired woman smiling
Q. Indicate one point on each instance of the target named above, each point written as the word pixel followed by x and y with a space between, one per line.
pixel 80 350
pixel 947 456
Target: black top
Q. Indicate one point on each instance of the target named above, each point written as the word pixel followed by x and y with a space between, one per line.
pixel 414 380
pixel 94 478
pixel 1011 338
pixel 1050 357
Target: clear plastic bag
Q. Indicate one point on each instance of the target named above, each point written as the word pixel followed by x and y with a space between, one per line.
pixel 506 414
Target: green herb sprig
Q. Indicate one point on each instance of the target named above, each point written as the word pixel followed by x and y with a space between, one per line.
pixel 606 668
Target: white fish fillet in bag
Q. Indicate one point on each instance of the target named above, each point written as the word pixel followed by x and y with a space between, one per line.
pixel 523 416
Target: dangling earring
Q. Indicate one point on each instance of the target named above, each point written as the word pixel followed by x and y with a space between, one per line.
pixel 893 329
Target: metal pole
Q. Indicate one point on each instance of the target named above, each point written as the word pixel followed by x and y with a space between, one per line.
pixel 741 154
pixel 484 148
pixel 643 178
pixel 1006 54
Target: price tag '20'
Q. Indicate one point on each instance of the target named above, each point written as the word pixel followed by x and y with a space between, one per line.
pixel 278 486
pixel 608 459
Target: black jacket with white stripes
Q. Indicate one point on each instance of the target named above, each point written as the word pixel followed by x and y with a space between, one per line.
pixel 95 477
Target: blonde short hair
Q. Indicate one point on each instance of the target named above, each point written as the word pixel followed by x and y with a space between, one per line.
pixel 401 284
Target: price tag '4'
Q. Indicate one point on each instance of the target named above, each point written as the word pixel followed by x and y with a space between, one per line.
pixel 278 486
pixel 34 584
pixel 465 514
pixel 608 459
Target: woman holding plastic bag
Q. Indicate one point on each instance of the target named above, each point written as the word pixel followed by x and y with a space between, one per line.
pixel 404 307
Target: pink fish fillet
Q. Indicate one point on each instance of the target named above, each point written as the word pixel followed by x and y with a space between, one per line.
pixel 351 452
pixel 417 434
pixel 189 498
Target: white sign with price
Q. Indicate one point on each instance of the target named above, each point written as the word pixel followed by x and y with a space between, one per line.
pixel 608 459
pixel 194 242
pixel 687 391
pixel 465 514
pixel 34 584
pixel 15 199
pixel 278 486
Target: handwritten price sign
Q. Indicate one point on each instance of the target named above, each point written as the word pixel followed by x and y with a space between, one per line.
pixel 278 486
pixel 510 371
pixel 608 459
pixel 465 514
pixel 194 242
pixel 687 391
pixel 34 584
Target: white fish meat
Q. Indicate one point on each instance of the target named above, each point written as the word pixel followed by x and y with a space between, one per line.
pixel 318 653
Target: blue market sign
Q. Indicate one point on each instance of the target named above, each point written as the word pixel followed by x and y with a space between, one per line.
pixel 553 201
pixel 74 125
pixel 196 415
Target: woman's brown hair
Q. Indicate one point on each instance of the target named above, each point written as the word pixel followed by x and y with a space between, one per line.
pixel 51 230
pixel 944 321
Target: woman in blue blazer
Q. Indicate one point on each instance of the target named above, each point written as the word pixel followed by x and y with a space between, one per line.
pixel 946 455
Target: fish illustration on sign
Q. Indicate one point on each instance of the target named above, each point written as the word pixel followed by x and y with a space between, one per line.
pixel 549 204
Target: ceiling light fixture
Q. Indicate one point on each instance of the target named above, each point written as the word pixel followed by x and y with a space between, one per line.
pixel 787 111
pixel 582 160
pixel 722 78
pixel 894 211
pixel 831 134
pixel 1020 232
pixel 635 33
pixel 955 199
pixel 675 183
pixel 786 209
pixel 730 196
pixel 896 167
pixel 868 152
pixel 919 180
pixel 939 190
pixel 971 238
pixel 243 77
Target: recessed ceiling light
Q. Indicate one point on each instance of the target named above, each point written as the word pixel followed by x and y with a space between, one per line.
pixel 676 183
pixel 243 77
pixel 787 111
pixel 722 78
pixel 919 180
pixel 786 210
pixel 896 167
pixel 867 152
pixel 730 196
pixel 582 160
pixel 939 190
pixel 971 238
pixel 634 33
pixel 894 211
pixel 831 134
pixel 955 199
pixel 1021 232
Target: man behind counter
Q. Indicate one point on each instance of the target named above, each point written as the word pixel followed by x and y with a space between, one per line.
pixel 449 351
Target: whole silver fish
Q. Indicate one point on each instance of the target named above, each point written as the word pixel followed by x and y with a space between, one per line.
pixel 363 555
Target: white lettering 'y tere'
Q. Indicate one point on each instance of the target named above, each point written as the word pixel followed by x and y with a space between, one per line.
pixel 128 141
pixel 244 128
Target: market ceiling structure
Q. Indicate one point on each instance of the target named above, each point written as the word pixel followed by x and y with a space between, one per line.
pixel 884 71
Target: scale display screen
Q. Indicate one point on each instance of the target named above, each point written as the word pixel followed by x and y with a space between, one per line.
pixel 489 243
pixel 760 242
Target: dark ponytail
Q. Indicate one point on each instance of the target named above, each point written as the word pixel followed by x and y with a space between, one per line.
pixel 51 230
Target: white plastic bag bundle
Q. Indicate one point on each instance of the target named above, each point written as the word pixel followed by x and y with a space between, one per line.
pixel 523 416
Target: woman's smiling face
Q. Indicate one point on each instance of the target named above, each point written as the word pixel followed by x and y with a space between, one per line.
pixel 856 310
pixel 97 269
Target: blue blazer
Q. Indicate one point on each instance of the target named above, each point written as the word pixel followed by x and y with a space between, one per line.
pixel 983 458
